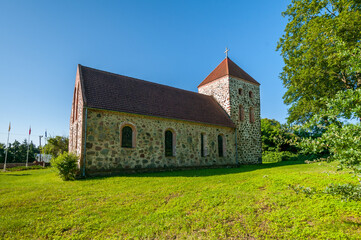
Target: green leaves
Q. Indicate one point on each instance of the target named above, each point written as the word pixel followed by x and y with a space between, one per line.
pixel 340 137
pixel 66 165
pixel 56 145
pixel 320 49
pixel 276 137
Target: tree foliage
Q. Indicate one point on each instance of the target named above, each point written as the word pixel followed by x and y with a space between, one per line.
pixel 276 136
pixel 56 146
pixel 17 152
pixel 340 137
pixel 321 40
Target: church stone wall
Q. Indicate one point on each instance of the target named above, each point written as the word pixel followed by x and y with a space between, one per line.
pixel 105 154
pixel 248 133
pixel 226 91
pixel 219 89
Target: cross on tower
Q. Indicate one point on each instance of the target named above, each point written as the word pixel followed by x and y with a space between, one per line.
pixel 226 52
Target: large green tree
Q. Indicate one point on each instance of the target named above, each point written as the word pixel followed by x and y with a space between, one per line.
pixel 2 152
pixel 276 136
pixel 56 145
pixel 320 41
pixel 342 138
pixel 17 152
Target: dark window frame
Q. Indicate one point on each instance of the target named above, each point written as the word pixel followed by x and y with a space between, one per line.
pixel 203 154
pixel 127 137
pixel 220 146
pixel 169 143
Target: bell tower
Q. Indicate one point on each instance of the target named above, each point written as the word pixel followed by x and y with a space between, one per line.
pixel 239 95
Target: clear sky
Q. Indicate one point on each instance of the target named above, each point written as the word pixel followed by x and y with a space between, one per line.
pixel 177 43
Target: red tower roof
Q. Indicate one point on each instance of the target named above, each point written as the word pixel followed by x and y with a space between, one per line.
pixel 228 67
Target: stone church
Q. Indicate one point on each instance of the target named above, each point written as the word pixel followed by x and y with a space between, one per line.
pixel 122 124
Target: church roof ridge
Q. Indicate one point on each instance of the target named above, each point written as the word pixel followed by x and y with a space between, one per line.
pixel 115 92
pixel 154 83
pixel 228 67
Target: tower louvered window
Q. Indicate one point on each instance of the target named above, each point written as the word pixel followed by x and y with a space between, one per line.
pixel 251 115
pixel 241 113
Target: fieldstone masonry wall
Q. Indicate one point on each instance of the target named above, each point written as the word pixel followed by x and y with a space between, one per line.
pixel 105 154
pixel 248 133
pixel 220 90
pixel 226 91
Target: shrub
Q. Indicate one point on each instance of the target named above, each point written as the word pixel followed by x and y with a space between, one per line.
pixel 269 157
pixel 346 191
pixel 66 165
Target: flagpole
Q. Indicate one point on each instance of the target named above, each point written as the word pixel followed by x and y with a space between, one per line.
pixel 46 134
pixel 27 154
pixel 7 148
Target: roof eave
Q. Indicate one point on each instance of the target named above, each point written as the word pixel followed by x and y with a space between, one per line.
pixel 170 118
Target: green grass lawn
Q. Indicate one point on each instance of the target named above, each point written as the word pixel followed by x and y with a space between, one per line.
pixel 252 202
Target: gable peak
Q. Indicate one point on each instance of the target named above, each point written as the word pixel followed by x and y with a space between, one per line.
pixel 228 67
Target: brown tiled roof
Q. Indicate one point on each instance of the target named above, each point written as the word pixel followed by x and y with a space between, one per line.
pixel 109 91
pixel 228 67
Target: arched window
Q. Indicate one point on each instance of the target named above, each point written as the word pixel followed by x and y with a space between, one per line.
pixel 250 94
pixel 220 146
pixel 240 91
pixel 241 113
pixel 251 115
pixel 127 137
pixel 169 143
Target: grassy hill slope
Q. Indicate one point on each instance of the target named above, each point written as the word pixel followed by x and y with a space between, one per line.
pixel 253 202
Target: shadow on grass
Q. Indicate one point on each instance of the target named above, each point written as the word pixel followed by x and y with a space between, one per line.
pixel 17 175
pixel 200 172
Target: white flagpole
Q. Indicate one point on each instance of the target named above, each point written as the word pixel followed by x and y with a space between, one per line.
pixel 7 147
pixel 46 135
pixel 27 154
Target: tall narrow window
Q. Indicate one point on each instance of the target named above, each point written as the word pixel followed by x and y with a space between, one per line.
pixel 220 145
pixel 76 138
pixel 250 94
pixel 168 143
pixel 202 146
pixel 127 137
pixel 240 91
pixel 251 115
pixel 74 104
pixel 241 113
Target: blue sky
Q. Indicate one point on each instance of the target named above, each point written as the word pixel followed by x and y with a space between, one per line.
pixel 177 43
